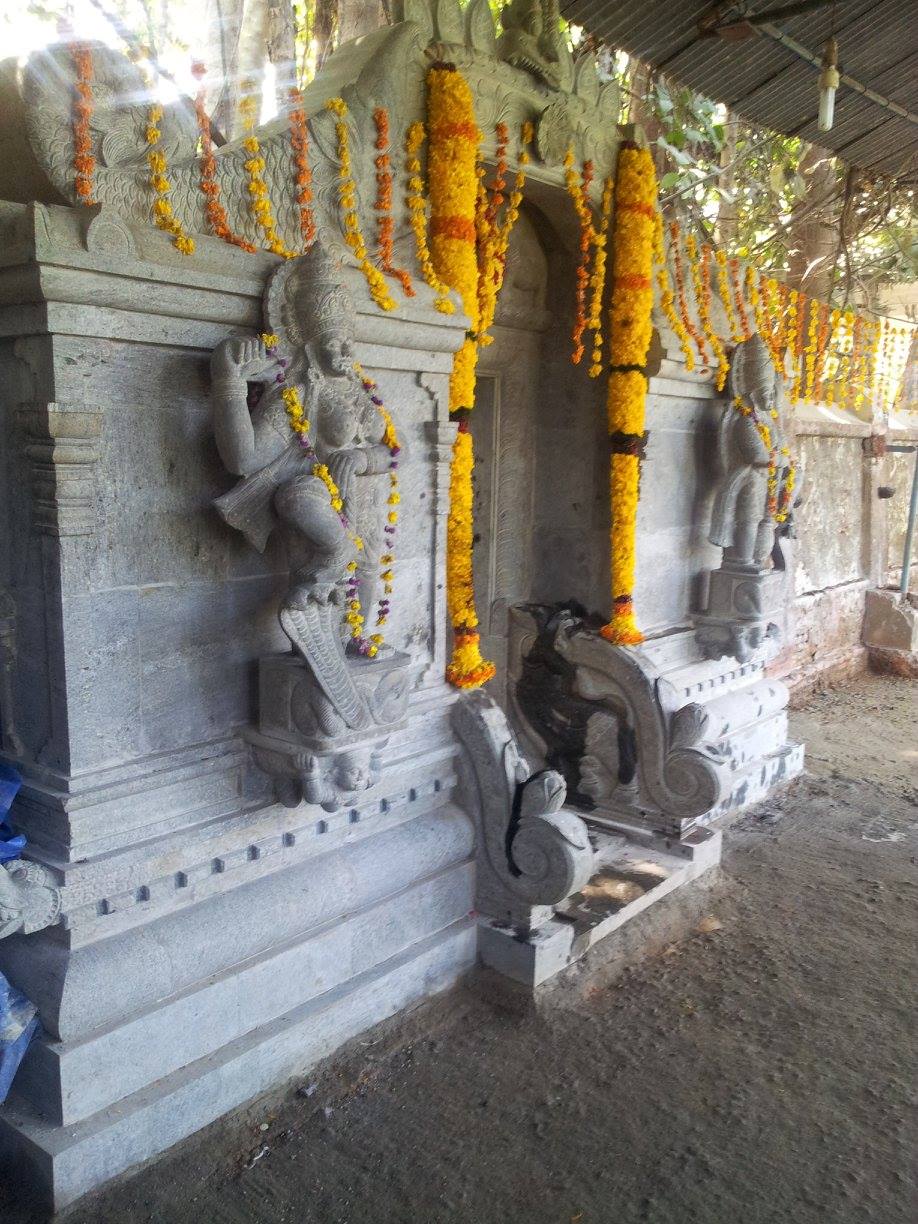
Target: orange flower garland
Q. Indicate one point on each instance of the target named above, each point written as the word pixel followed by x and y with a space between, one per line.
pixel 667 301
pixel 214 211
pixel 630 330
pixel 163 215
pixel 580 195
pixel 453 188
pixel 701 282
pixel 492 248
pixel 347 197
pixel 83 161
pixel 490 270
pixel 299 141
pixel 691 329
pixel 723 284
pixel 744 328
pixel 821 350
pixel 383 202
pixel 259 201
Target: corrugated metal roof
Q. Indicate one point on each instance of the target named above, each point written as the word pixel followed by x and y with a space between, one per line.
pixel 769 84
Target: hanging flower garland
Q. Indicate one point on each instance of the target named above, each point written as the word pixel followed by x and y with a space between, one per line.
pixel 453 186
pixel 259 198
pixel 347 197
pixel 214 211
pixel 579 191
pixel 299 142
pixel 387 557
pixel 598 277
pixel 162 207
pixel 675 237
pixel 487 209
pixel 809 353
pixel 667 301
pixel 822 346
pixel 383 203
pixel 701 282
pixel 630 330
pixel 744 328
pixel 492 253
pixel 83 161
pixel 417 215
pixel 793 339
pixel 723 285
pixel 780 488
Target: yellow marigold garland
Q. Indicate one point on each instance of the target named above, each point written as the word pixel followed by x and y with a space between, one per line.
pixel 598 277
pixel 417 215
pixel 701 279
pixel 579 191
pixel 723 284
pixel 259 199
pixel 630 330
pixel 453 186
pixel 163 215
pixel 347 197
pixel 494 238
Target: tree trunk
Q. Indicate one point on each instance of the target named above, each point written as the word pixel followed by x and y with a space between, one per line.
pixel 324 28
pixel 280 42
pixel 813 240
pixel 726 181
pixel 357 17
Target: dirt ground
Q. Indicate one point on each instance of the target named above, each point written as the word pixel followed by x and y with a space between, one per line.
pixel 762 1072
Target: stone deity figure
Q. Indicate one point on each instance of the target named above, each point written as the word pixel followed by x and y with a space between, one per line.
pixel 754 502
pixel 741 522
pixel 311 313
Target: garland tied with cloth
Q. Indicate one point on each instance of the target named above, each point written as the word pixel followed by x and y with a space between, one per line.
pixel 629 337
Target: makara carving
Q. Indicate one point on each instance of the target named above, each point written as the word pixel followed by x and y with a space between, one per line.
pixel 336 697
pixel 532 851
pixel 749 590
pixel 29 898
pixel 605 717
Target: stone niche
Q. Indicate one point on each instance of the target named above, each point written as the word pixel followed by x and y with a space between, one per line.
pixel 231 867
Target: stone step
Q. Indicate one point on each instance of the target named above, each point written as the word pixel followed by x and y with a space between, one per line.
pixel 65 1163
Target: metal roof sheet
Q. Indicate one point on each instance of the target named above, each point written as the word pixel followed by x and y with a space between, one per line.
pixel 769 84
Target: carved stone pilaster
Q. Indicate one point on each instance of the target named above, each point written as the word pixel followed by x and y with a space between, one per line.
pixel 62 446
pixel 9 737
pixel 441 435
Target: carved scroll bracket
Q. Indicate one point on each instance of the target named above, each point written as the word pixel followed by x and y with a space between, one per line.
pixel 532 853
pixel 30 899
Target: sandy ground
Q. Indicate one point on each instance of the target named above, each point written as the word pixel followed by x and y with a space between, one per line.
pixel 761 1072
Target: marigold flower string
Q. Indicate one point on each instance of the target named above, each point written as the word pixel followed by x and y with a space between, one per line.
pixel 598 277
pixel 701 282
pixel 780 487
pixel 259 198
pixel 383 204
pixel 214 211
pixel 347 197
pixel 579 191
pixel 299 141
pixel 691 329
pixel 387 557
pixel 417 216
pixel 162 207
pixel 738 300
pixel 723 285
pixel 494 240
pixel 83 161
pixel 667 301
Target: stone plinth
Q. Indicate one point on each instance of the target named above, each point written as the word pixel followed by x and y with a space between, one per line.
pixel 209 941
pixel 891 632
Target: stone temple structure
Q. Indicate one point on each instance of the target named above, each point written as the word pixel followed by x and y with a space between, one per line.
pixel 246 842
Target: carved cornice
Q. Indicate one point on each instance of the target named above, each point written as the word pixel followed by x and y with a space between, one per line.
pixel 62 446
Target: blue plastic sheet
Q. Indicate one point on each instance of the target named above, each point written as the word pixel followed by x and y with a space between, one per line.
pixel 18 1025
pixel 11 846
